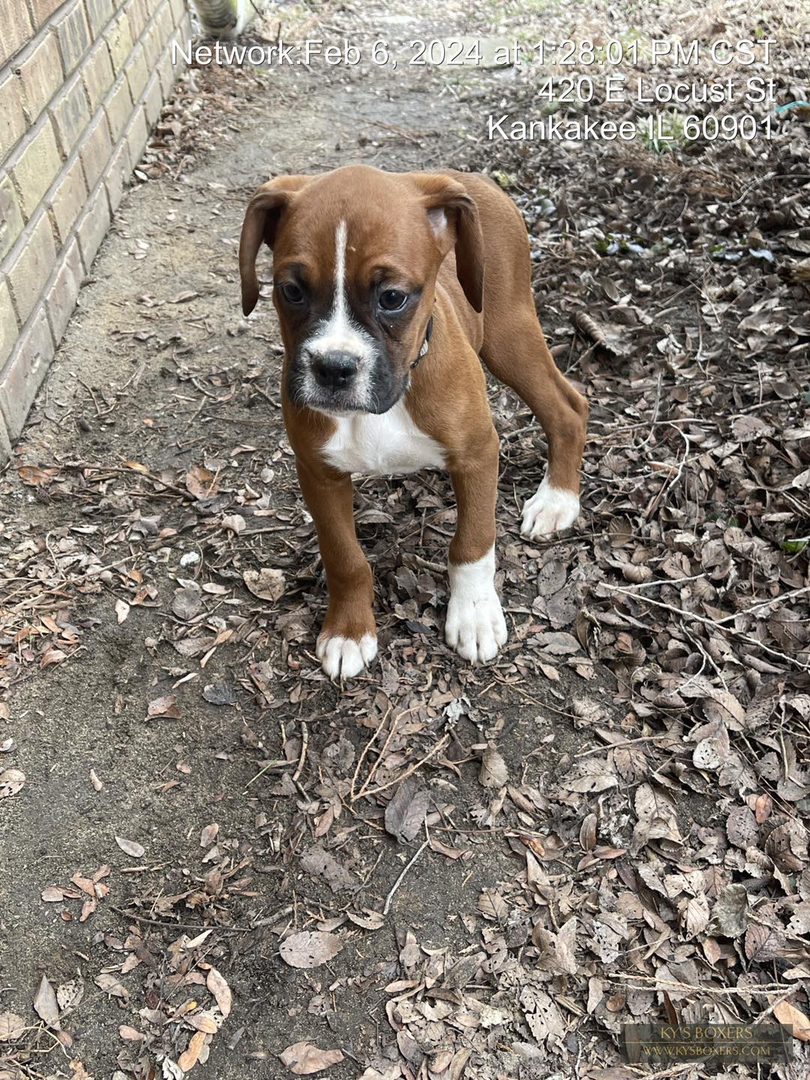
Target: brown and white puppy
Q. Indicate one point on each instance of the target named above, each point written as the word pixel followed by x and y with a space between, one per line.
pixel 389 287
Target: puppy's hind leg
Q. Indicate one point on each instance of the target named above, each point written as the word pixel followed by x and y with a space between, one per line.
pixel 517 354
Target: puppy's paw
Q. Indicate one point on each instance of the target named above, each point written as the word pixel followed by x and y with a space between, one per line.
pixel 345 657
pixel 475 625
pixel 475 628
pixel 548 511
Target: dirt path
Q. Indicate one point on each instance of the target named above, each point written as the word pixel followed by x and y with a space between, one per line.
pixel 159 369
pixel 156 699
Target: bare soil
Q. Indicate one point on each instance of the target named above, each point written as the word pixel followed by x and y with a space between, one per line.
pixel 154 473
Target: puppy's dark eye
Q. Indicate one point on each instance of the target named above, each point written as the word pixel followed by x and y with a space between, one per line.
pixel 292 293
pixel 393 299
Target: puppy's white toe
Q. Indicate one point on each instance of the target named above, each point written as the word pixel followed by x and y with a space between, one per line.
pixel 549 510
pixel 475 625
pixel 343 657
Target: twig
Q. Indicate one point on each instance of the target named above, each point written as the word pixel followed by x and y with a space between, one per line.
pixel 128 471
pixel 270 765
pixel 619 745
pixel 366 749
pixel 440 745
pixel 711 622
pixel 672 984
pixel 304 745
pixel 401 877
pixel 179 925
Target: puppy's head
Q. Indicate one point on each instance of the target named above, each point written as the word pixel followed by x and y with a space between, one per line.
pixel 355 258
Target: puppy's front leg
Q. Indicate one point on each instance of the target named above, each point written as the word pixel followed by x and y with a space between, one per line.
pixel 348 639
pixel 475 625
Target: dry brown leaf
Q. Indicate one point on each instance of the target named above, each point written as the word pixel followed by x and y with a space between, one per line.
pixel 209 835
pixel 189 1058
pixel 267 583
pixel 309 949
pixel 494 773
pixel 162 706
pixel 235 523
pixel 788 1014
pixel 11 781
pixel 45 1004
pixel 405 813
pixel 303 1059
pixel 12 1026
pixel 131 847
pixel 130 1034
pixel 222 992
pixel 110 984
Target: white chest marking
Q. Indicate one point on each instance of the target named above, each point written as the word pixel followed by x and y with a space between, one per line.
pixel 382 445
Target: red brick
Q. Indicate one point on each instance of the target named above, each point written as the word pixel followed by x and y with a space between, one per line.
pixel 70 115
pixel 40 76
pixel 8 323
pixel 34 258
pixel 68 199
pixel 93 227
pixel 95 151
pixel 12 117
pixel 17 29
pixel 24 373
pixel 60 299
pixel 118 175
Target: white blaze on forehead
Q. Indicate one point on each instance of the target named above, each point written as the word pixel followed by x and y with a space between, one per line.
pixel 339 333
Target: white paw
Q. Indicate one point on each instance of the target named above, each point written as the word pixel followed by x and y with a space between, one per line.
pixel 346 657
pixel 475 625
pixel 548 511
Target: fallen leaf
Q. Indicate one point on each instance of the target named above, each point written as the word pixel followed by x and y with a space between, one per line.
pixel 209 835
pixel 12 1026
pixel 122 609
pixel 789 1015
pixel 303 1059
pixel 110 984
pixel 405 813
pixel 235 523
pixel 186 602
pixel 11 781
pixel 309 949
pixel 494 773
pixel 130 1034
pixel 45 1004
pixel 131 847
pixel 189 1058
pixel 369 920
pixel 267 583
pixel 222 992
pixel 162 706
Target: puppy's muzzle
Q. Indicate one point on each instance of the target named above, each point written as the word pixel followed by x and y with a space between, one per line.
pixel 334 371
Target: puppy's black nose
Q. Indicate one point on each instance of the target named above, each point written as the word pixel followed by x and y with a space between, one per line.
pixel 335 370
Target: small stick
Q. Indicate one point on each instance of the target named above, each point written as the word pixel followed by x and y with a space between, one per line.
pixel 401 877
pixel 304 745
pixel 366 749
pixel 711 622
pixel 440 745
pixel 179 925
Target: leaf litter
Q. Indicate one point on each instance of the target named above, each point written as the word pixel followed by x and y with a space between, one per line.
pixel 650 836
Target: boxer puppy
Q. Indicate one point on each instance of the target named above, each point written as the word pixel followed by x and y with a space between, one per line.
pixel 389 287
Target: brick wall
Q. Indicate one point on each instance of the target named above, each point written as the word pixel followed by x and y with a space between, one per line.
pixel 81 84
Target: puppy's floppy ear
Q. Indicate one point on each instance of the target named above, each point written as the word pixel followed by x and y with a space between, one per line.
pixel 453 216
pixel 261 224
